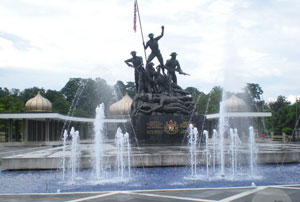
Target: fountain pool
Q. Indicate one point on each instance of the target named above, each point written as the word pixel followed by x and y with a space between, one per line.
pixel 49 181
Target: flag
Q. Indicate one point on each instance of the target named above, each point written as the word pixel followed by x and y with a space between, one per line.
pixel 134 15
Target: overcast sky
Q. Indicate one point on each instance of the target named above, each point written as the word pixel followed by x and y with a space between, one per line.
pixel 219 42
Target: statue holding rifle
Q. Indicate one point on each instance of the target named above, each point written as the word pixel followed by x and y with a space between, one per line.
pixel 172 65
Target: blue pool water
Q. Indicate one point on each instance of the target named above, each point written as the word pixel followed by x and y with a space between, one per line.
pixel 49 181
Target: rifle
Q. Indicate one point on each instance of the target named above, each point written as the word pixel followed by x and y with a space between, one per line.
pixel 186 74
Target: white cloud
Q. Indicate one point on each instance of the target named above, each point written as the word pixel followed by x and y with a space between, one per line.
pixel 226 43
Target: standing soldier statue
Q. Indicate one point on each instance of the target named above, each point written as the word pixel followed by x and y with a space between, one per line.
pixel 173 65
pixel 137 63
pixel 155 52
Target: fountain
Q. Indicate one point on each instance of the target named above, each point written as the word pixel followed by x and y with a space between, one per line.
pixel 65 136
pixel 192 144
pixel 222 130
pixel 253 151
pixel 205 132
pixel 98 153
pixel 123 154
pixel 75 154
pixel 160 115
pixel 214 137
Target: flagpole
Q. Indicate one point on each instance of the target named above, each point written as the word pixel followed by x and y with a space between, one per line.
pixel 138 11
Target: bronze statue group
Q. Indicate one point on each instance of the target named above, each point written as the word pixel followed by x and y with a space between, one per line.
pixel 156 91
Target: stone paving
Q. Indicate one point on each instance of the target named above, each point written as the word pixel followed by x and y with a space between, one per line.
pixel 149 155
pixel 245 194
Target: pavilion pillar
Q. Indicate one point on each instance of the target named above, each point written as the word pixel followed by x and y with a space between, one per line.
pixel 10 130
pixel 47 130
pixel 17 134
pixel 25 130
pixel 86 130
pixel 36 130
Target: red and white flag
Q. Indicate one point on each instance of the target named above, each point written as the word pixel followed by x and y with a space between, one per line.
pixel 134 15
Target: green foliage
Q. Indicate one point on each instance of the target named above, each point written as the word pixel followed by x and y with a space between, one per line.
pixel 121 89
pixel 29 93
pixel 252 96
pixel 81 96
pixel 58 100
pixel 215 99
pixel 130 88
pixel 71 88
pixel 195 93
pixel 10 104
pixel 283 115
pixel 86 94
pixel 279 103
pixel 9 101
pixel 287 130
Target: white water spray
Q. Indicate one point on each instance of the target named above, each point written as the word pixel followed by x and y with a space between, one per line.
pixel 98 142
pixel 253 150
pixel 205 132
pixel 192 143
pixel 64 153
pixel 75 154
pixel 215 133
pixel 222 129
pixel 123 153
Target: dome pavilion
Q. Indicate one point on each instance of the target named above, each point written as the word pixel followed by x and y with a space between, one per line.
pixel 38 104
pixel 122 107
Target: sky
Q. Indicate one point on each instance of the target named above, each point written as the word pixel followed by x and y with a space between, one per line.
pixel 224 43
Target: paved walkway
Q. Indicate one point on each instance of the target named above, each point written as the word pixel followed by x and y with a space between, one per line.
pixel 7 149
pixel 247 194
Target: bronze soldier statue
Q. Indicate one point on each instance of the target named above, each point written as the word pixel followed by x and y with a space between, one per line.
pixel 172 65
pixel 155 52
pixel 137 63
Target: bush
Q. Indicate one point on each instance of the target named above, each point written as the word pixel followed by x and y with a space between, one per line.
pixel 287 130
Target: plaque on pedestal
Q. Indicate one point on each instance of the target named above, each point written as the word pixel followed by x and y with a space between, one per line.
pixel 164 129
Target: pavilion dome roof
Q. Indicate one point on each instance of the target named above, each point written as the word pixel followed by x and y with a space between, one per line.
pixel 38 104
pixel 235 104
pixel 122 107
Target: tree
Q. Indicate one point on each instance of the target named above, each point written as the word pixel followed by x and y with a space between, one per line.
pixel 280 115
pixel 199 98
pixel 120 89
pixel 85 94
pixel 29 93
pixel 58 100
pixel 4 92
pixel 253 94
pixel 195 93
pixel 130 88
pixel 280 102
pixel 215 98
pixel 72 88
pixel 11 104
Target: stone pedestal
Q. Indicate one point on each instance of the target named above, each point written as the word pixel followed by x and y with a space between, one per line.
pixel 163 129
